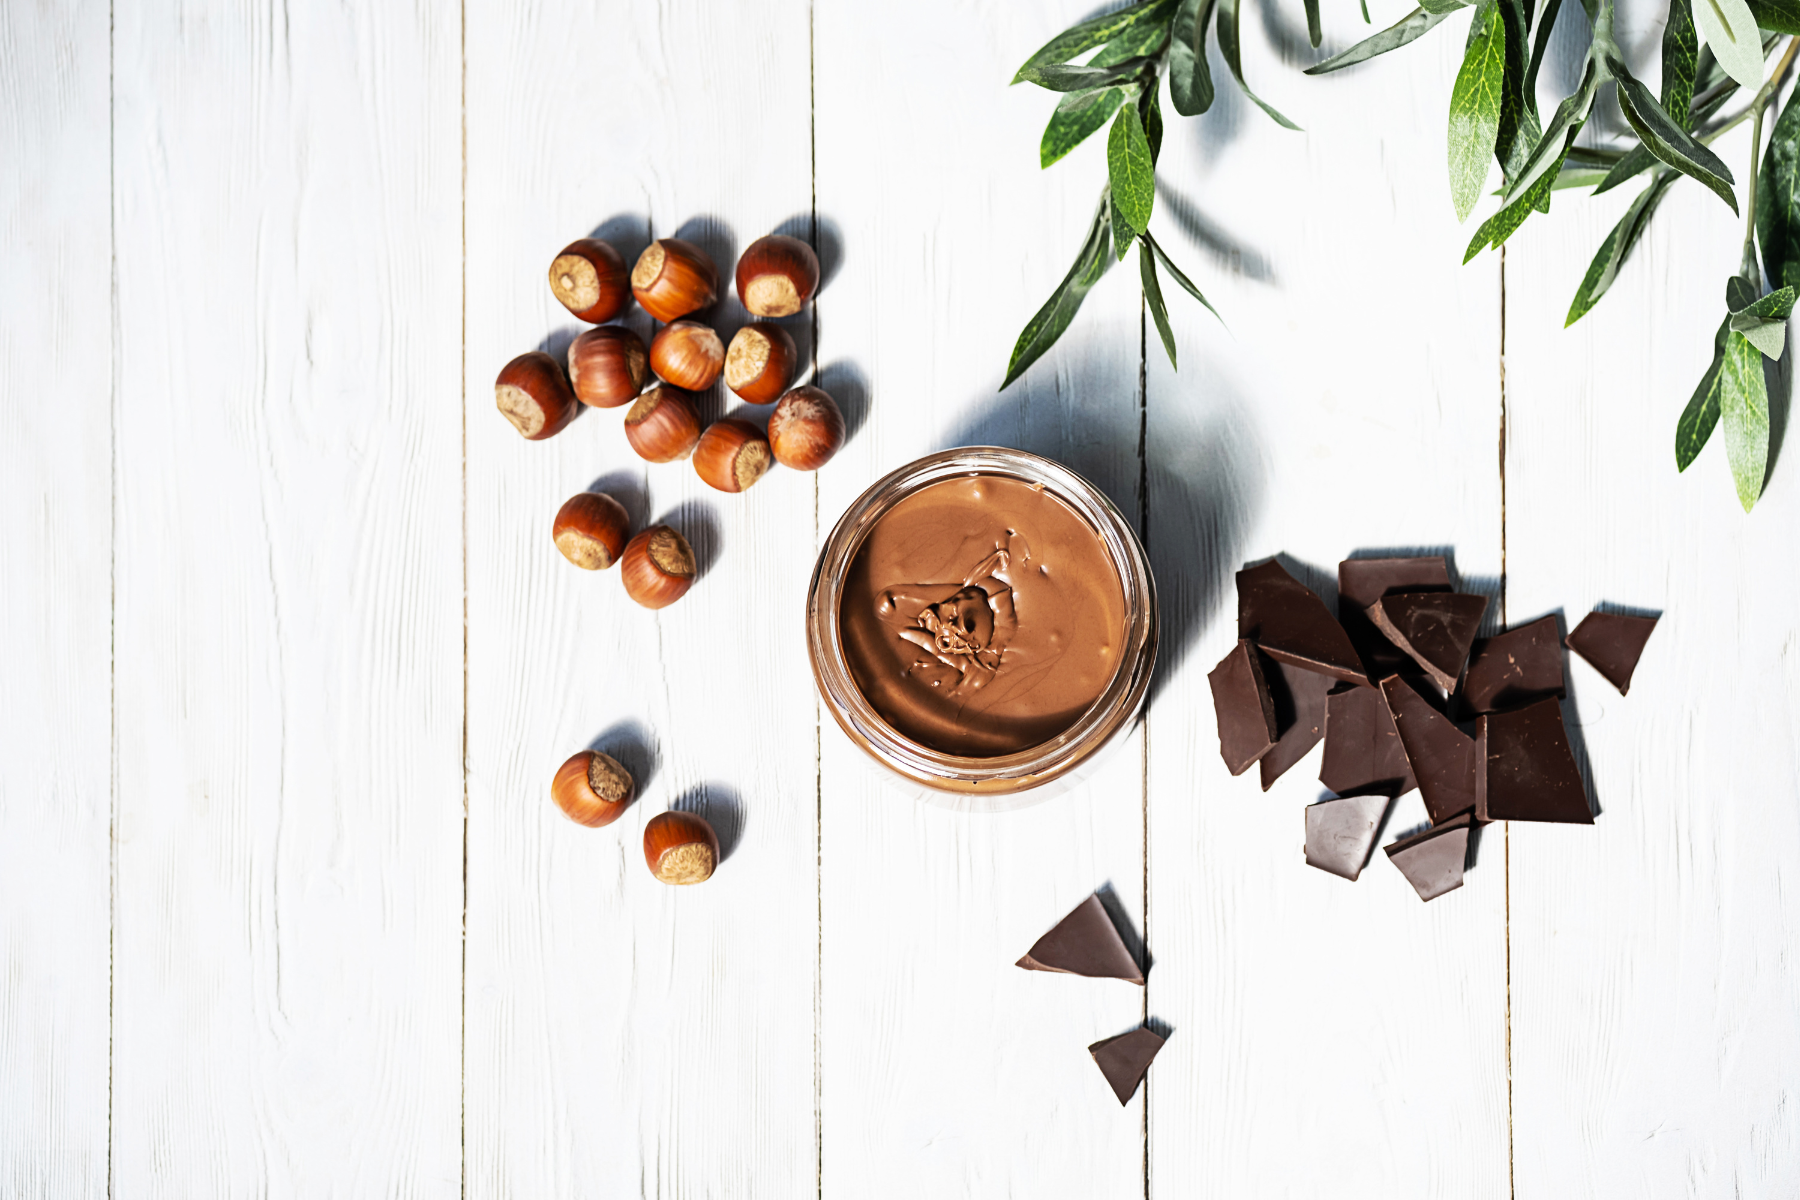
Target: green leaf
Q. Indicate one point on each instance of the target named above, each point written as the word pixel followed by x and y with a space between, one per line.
pixel 1079 39
pixel 1058 77
pixel 1778 200
pixel 1664 138
pixel 1154 300
pixel 1228 46
pixel 1444 7
pixel 1076 117
pixel 1639 158
pixel 1546 23
pixel 1410 28
pixel 1764 322
pixel 1565 123
pixel 1190 78
pixel 1702 411
pixel 1744 408
pixel 1186 284
pixel 1680 58
pixel 1519 130
pixel 1122 233
pixel 1365 8
pixel 1130 172
pixel 1617 246
pixel 1312 22
pixel 1049 322
pixel 1781 16
pixel 1150 109
pixel 1731 32
pixel 1503 224
pixel 1475 108
pixel 1146 39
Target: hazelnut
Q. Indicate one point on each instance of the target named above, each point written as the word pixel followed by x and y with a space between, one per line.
pixel 608 366
pixel 688 355
pixel 777 275
pixel 592 789
pixel 806 429
pixel 680 847
pixel 590 279
pixel 663 425
pixel 760 363
pixel 673 278
pixel 591 529
pixel 658 567
pixel 532 393
pixel 732 455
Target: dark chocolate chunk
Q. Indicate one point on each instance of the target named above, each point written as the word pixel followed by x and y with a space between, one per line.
pixel 1432 861
pixel 1085 942
pixel 1611 643
pixel 1299 697
pixel 1287 621
pixel 1245 711
pixel 1442 756
pixel 1363 753
pixel 1340 833
pixel 1363 581
pixel 1124 1059
pixel 1517 667
pixel 1525 770
pixel 1435 629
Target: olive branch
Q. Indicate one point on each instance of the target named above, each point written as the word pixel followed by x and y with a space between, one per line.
pixel 1493 116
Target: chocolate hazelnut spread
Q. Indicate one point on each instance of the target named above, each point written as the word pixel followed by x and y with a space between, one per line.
pixel 982 616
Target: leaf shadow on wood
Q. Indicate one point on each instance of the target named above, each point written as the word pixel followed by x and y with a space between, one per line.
pixel 627 487
pixel 634 746
pixel 1225 251
pixel 1199 481
pixel 696 521
pixel 1134 943
pixel 723 809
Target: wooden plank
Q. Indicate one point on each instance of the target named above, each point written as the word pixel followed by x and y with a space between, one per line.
pixel 944 1069
pixel 1329 1038
pixel 56 605
pixel 1656 1012
pixel 624 1037
pixel 289 661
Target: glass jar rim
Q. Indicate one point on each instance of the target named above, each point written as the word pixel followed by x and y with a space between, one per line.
pixel 1116 707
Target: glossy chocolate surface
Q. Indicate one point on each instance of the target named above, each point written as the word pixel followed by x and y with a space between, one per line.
pixel 1612 643
pixel 1085 942
pixel 1246 714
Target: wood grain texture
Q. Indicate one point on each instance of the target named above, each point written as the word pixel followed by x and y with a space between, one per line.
pixel 1330 1038
pixel 289 652
pixel 945 1070
pixel 55 600
pixel 1656 1008
pixel 625 1037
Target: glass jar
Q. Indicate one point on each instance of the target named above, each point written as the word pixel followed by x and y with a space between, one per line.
pixel 1011 780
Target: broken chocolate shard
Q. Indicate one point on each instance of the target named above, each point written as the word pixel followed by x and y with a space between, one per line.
pixel 1442 756
pixel 1525 770
pixel 1435 629
pixel 1363 753
pixel 1517 667
pixel 1287 621
pixel 1124 1059
pixel 1085 942
pixel 1340 833
pixel 1299 697
pixel 1433 861
pixel 1243 707
pixel 1363 581
pixel 1611 643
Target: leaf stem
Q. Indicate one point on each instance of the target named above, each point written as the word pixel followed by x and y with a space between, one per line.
pixel 1748 270
pixel 1760 100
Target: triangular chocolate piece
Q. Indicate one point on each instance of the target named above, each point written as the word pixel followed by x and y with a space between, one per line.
pixel 1517 667
pixel 1085 942
pixel 1525 770
pixel 1435 629
pixel 1124 1059
pixel 1299 697
pixel 1612 643
pixel 1363 581
pixel 1289 622
pixel 1442 756
pixel 1363 753
pixel 1243 708
pixel 1432 861
pixel 1340 833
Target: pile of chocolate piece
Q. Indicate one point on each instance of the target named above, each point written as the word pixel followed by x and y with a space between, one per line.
pixel 1405 695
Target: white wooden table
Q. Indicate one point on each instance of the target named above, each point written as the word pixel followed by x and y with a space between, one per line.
pixel 287 657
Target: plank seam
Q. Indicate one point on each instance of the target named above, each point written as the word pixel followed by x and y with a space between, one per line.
pixel 112 601
pixel 462 1115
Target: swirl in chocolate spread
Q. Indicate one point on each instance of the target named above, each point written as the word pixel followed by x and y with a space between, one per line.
pixel 982 616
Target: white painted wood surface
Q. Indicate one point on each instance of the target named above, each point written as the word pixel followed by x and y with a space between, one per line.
pixel 263 584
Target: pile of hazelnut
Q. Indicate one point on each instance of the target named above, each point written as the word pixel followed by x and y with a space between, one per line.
pixel 593 789
pixel 609 368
